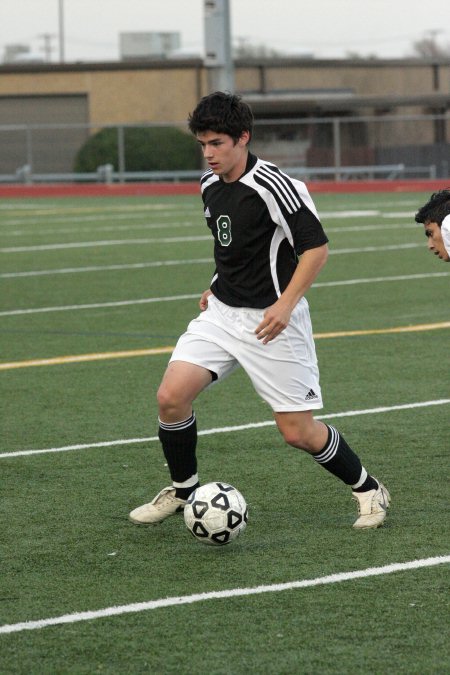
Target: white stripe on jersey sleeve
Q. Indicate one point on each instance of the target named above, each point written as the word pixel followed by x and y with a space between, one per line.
pixel 207 179
pixel 281 186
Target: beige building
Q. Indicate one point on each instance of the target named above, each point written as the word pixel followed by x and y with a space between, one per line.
pixel 375 103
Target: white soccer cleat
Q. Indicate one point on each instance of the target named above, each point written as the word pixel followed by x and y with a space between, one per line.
pixel 165 504
pixel 372 507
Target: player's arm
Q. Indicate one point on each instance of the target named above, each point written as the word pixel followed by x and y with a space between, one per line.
pixel 277 316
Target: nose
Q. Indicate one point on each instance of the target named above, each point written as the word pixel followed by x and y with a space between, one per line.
pixel 430 244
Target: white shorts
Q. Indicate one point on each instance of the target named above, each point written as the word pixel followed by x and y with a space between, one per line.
pixel 284 372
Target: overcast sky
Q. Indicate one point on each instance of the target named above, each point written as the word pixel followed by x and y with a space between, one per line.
pixel 325 28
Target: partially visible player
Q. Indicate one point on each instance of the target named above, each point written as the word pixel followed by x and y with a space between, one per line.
pixel 269 246
pixel 435 217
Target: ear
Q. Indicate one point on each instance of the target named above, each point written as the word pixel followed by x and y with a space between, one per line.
pixel 244 138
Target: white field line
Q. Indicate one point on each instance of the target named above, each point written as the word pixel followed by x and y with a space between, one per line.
pixel 171 298
pixel 38 214
pixel 177 601
pixel 171 263
pixel 34 220
pixel 175 240
pixel 132 227
pixel 36 217
pixel 368 280
pixel 53 208
pixel 376 249
pixel 120 303
pixel 102 242
pixel 371 228
pixel 106 268
pixel 129 227
pixel 222 430
pixel 191 224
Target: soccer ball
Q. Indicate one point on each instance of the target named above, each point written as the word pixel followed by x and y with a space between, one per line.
pixel 216 513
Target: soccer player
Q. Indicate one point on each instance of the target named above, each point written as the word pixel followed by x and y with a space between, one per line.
pixel 269 246
pixel 435 217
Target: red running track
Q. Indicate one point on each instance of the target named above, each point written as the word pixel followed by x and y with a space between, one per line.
pixel 161 189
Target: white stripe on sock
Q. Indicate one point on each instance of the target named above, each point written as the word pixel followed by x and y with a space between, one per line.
pixel 177 426
pixel 331 449
pixel 193 480
pixel 362 478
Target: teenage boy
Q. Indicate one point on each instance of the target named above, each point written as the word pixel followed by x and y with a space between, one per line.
pixel 269 246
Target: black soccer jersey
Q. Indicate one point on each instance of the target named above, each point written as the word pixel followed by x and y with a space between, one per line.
pixel 261 223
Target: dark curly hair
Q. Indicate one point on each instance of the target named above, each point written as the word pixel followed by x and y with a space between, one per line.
pixel 223 113
pixel 436 208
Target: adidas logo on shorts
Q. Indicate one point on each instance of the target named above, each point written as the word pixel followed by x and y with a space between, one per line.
pixel 311 395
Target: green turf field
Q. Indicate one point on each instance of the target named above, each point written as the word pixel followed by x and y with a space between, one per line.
pixel 112 283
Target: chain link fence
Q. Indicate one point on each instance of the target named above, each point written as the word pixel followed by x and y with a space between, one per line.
pixel 338 148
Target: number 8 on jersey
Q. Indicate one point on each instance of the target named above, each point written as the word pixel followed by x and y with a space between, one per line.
pixel 224 230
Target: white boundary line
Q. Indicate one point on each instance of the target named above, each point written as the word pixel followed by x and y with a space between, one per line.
pixel 373 280
pixel 145 226
pixel 140 301
pixel 172 240
pixel 106 268
pixel 201 261
pixel 103 242
pixel 37 218
pixel 220 430
pixel 218 595
pixel 97 305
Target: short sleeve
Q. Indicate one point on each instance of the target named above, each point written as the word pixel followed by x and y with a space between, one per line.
pixel 307 230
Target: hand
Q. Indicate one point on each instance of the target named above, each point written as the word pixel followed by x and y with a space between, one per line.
pixel 275 320
pixel 203 303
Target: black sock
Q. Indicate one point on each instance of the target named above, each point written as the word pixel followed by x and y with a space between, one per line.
pixel 179 442
pixel 339 459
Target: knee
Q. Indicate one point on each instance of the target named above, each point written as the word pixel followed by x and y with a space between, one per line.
pixel 171 403
pixel 297 438
pixel 167 399
pixel 309 437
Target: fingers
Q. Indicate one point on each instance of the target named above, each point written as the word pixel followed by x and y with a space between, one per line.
pixel 269 329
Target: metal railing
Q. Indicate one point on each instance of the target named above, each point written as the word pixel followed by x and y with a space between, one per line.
pixel 338 148
pixel 106 174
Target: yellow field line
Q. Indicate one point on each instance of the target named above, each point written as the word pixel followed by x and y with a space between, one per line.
pixel 383 331
pixel 80 358
pixel 58 360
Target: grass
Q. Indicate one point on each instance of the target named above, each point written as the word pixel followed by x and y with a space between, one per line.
pixel 66 543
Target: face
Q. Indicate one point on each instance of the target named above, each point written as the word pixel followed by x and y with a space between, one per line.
pixel 435 242
pixel 226 158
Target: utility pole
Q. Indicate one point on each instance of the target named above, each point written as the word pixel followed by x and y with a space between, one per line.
pixel 218 58
pixel 61 30
pixel 48 47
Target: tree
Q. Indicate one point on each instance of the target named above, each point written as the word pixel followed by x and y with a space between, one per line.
pixel 428 47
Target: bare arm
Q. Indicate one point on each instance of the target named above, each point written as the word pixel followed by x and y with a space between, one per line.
pixel 277 316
